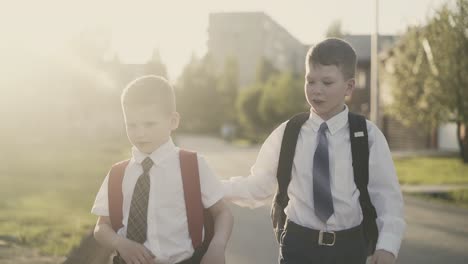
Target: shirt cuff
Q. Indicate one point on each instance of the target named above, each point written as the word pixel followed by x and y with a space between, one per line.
pixel 99 211
pixel 389 242
pixel 214 198
pixel 227 190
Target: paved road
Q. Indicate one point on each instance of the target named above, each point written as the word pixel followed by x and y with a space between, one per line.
pixel 436 233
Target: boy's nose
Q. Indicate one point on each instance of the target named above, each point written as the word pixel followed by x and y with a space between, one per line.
pixel 139 132
pixel 315 90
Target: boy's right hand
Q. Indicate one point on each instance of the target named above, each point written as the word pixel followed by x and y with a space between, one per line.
pixel 133 252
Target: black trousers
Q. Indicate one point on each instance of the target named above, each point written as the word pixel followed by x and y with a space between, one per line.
pixel 300 245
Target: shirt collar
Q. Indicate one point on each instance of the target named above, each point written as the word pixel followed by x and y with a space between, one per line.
pixel 334 124
pixel 156 156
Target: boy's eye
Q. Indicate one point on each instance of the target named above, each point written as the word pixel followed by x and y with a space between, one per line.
pixel 150 124
pixel 328 83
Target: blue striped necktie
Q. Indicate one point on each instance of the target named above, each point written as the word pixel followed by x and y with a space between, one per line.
pixel 323 202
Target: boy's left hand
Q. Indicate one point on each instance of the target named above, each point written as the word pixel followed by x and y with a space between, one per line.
pixel 382 257
pixel 214 254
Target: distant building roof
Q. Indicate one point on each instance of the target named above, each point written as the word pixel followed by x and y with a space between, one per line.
pixel 242 16
pixel 362 44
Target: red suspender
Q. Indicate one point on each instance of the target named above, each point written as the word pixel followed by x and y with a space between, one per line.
pixel 192 195
pixel 115 195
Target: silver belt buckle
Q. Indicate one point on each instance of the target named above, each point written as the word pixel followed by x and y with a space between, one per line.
pixel 320 239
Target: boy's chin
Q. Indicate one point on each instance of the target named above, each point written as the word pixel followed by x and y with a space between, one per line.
pixel 317 110
pixel 147 149
pixel 322 112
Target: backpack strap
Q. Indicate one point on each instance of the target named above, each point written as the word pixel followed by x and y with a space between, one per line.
pixel 283 174
pixel 360 154
pixel 115 195
pixel 192 195
pixel 199 219
pixel 286 157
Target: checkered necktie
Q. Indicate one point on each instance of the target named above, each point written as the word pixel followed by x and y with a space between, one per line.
pixel 137 219
pixel 323 201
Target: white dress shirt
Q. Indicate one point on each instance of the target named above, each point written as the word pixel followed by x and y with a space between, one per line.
pixel 168 237
pixel 384 190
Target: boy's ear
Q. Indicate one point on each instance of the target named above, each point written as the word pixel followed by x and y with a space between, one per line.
pixel 350 85
pixel 175 119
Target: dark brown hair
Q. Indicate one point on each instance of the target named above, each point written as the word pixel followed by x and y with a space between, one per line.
pixel 333 51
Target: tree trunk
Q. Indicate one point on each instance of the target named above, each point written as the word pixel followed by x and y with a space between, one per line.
pixel 465 145
pixel 462 135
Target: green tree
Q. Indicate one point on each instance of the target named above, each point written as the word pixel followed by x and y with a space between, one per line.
pixel 247 110
pixel 411 78
pixel 228 89
pixel 431 73
pixel 272 99
pixel 198 98
pixel 334 30
pixel 282 97
pixel 155 65
pixel 247 103
pixel 265 69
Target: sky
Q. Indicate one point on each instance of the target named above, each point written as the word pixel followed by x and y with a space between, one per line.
pixel 178 28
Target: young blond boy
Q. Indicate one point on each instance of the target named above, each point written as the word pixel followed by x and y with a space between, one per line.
pixel 160 234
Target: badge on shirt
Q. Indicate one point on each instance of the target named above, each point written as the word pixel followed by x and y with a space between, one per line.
pixel 358 134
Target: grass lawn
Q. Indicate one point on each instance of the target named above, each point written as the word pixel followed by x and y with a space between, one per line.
pixel 431 170
pixel 47 192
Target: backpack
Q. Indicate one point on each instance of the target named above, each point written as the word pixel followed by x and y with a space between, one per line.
pixel 197 216
pixel 360 157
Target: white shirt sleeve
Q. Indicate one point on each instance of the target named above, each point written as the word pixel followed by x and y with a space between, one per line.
pixel 101 204
pixel 211 188
pixel 257 189
pixel 385 193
